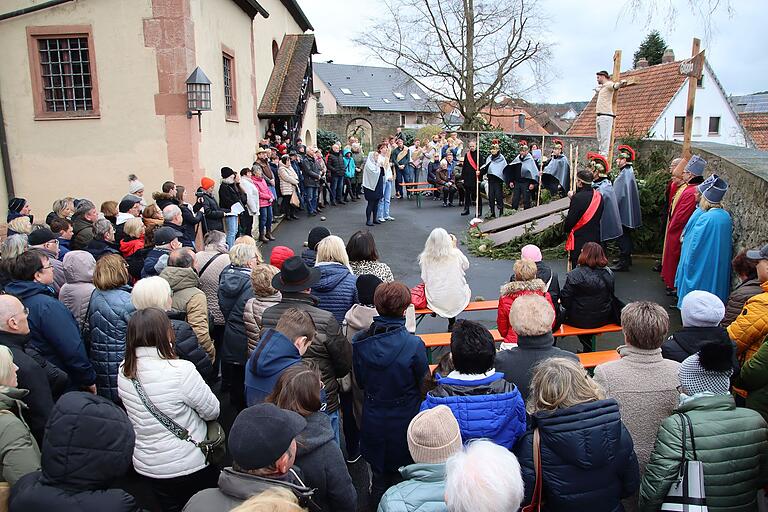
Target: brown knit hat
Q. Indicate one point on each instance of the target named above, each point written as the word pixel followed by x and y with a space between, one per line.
pixel 433 436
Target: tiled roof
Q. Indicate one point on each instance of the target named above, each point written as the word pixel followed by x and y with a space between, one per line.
pixel 281 97
pixel 508 120
pixel 375 88
pixel 757 127
pixel 640 105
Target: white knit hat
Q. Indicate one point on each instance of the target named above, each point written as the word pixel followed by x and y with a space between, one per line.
pixel 434 435
pixel 702 309
pixel 134 185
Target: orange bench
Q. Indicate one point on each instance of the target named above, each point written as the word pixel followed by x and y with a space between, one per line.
pixel 588 359
pixel 442 339
pixel 480 305
pixel 416 188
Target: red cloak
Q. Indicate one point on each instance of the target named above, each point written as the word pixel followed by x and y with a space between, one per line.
pixel 679 213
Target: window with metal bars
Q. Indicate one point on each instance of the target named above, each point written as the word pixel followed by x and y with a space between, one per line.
pixel 65 71
pixel 229 86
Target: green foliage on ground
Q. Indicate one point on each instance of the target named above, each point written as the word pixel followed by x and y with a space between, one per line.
pixel 326 139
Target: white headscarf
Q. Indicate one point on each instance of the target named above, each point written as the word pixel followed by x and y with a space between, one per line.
pixel 371 171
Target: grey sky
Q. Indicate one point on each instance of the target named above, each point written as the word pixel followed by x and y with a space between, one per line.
pixel 586 33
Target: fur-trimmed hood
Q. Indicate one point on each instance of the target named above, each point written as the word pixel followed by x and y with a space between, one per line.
pixel 534 285
pixel 163 195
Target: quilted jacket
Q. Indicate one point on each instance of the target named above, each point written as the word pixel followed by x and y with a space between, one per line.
pixel 336 291
pixel 738 297
pixel 753 379
pixel 191 300
pixel 732 442
pixel 234 291
pixel 209 280
pixel 252 317
pixel 423 490
pixel 188 348
pixel 511 291
pixel 176 389
pixel 108 322
pixel 489 408
pixel 751 327
pixel 76 292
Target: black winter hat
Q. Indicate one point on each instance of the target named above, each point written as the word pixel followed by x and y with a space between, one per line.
pixel 17 204
pixel 366 286
pixel 226 172
pixel 316 235
pixel 126 204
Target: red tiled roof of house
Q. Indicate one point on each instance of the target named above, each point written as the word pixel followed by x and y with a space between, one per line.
pixel 640 105
pixel 757 126
pixel 281 96
pixel 507 120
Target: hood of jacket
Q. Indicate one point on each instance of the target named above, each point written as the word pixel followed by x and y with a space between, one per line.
pixel 163 196
pixel 25 289
pixel 493 386
pixel 424 472
pixel 359 317
pixel 11 398
pixel 180 278
pixel 278 354
pixel 534 285
pixel 384 340
pixel 88 443
pixel 79 266
pixel 330 276
pixel 317 433
pixel 584 435
pixel 691 339
pixel 233 281
pixel 242 485
pixel 309 256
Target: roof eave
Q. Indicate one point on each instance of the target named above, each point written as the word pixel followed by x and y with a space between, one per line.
pixel 252 8
pixel 298 15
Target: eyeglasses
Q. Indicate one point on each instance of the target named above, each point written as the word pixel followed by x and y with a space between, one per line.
pixel 54 241
pixel 46 267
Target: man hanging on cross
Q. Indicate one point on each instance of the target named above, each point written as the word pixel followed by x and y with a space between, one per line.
pixel 604 109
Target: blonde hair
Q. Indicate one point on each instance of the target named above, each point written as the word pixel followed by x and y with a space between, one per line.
pixel 332 249
pixel 273 499
pixel 241 254
pixel 245 239
pixel 706 205
pixel 531 315
pixel 13 246
pixel 21 225
pixel 559 383
pixel 133 227
pixel 6 365
pixel 151 292
pixel 111 272
pixel 439 246
pixel 261 280
pixel 525 270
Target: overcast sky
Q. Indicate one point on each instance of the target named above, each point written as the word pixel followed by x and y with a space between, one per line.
pixel 586 33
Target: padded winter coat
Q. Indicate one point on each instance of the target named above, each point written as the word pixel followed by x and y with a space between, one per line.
pixel 88 444
pixel 188 298
pixel 587 455
pixel 753 379
pixel 19 454
pixel 155 261
pixel 209 280
pixel 289 180
pixel 689 340
pixel 731 441
pixel 423 490
pixel 751 327
pixel 586 297
pixel 54 332
pixel 336 291
pixel 82 233
pixel 213 219
pixel 273 355
pixel 738 297
pixel 487 408
pixel 188 348
pixel 234 291
pixel 76 292
pixel 176 389
pixel 252 317
pixel 108 323
pixel 509 292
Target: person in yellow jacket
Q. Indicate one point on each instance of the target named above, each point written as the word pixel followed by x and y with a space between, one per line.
pixel 750 328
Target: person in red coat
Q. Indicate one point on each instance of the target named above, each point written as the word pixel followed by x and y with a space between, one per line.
pixel 681 208
pixel 525 283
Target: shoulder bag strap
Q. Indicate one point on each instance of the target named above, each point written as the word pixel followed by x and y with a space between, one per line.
pixel 173 427
pixel 682 420
pixel 537 490
pixel 207 263
pixel 690 431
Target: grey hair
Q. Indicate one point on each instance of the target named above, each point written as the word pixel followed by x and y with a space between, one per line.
pixel 101 227
pixel 170 212
pixel 241 254
pixel 645 324
pixel 60 204
pixel 183 258
pixel 84 207
pixel 215 240
pixel 13 246
pixel 484 477
pixel 531 315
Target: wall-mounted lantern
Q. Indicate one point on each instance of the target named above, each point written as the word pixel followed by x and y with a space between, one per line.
pixel 198 95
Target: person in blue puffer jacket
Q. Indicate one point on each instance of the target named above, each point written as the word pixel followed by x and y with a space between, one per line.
pixel 485 405
pixel 108 312
pixel 588 459
pixel 337 290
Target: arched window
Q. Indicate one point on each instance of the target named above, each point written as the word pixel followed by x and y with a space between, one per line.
pixel 275 49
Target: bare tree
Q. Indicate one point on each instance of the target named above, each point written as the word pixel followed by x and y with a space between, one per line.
pixel 706 12
pixel 463 52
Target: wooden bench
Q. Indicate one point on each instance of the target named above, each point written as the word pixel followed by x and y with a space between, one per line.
pixel 588 359
pixel 417 188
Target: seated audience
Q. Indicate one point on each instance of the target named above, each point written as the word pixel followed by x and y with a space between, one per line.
pixel 748 287
pixel 433 437
pixel 753 378
pixel 543 271
pixel 731 442
pixel 335 291
pixel 20 226
pixel 442 267
pixel 531 318
pixel 315 236
pixel 750 327
pixel 483 477
pixel 364 259
pixel 76 291
pixel 279 254
pixel 262 443
pixel 475 387
pixel 587 455
pixel 389 365
pixel 524 283
pixel 152 376
pixel 317 454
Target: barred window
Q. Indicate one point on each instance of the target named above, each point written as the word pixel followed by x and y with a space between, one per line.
pixel 230 100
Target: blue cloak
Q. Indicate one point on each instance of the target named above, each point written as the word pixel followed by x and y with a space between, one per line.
pixel 705 257
pixel 610 222
pixel 628 198
pixel 559 168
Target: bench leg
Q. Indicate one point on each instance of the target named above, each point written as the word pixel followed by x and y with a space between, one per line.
pixel 418 199
pixel 594 343
pixel 429 355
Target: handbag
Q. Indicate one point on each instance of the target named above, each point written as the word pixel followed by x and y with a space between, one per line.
pixel 535 504
pixel 214 447
pixel 295 199
pixel 419 296
pixel 687 492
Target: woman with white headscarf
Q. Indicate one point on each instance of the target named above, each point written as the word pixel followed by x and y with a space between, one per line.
pixel 373 183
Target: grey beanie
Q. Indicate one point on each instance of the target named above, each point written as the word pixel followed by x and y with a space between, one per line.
pixel 702 309
pixel 433 436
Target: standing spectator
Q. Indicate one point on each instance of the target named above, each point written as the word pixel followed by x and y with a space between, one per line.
pixel 153 219
pixel 731 442
pixel 753 378
pixel 585 215
pixel 82 224
pixel 251 201
pixel 359 158
pixel 289 182
pixel 264 296
pixel 525 282
pixel 433 437
pixel 316 234
pixel 20 226
pixel 88 445
pixel 574 418
pixel 531 317
pixel 46 241
pixel 76 292
pixel 475 387
pixel 152 376
pixel 336 289
pixel 135 190
pixel 209 264
pixel 299 390
pixel 748 287
pixel 483 478
pixel 349 175
pixel 230 194
pixel 190 219
pixel 61 209
pixel 127 209
pixel 266 198
pixel 330 351
pixel 311 176
pixel 64 231
pixel 19 207
pixel 442 270
pixel 364 259
pixel 389 365
pixel 335 165
pixel 173 218
pixel 54 333
pixel 103 241
pixel 10 249
pixel 108 313
pixel 132 241
pixel 166 240
pixel 388 183
pixel 399 159
pixel 642 381
pixel 374 176
pixel 213 215
pixel 750 327
pixel 543 271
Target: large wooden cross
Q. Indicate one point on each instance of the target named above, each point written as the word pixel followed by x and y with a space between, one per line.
pixel 616 77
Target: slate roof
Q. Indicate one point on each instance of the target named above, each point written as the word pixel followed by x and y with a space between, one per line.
pixel 751 160
pixel 281 96
pixel 751 103
pixel 380 83
pixel 639 106
pixel 756 125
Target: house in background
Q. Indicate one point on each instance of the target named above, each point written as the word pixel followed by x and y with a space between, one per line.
pixel 94 90
pixel 510 118
pixel 753 112
pixel 556 118
pixel 655 107
pixel 370 102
